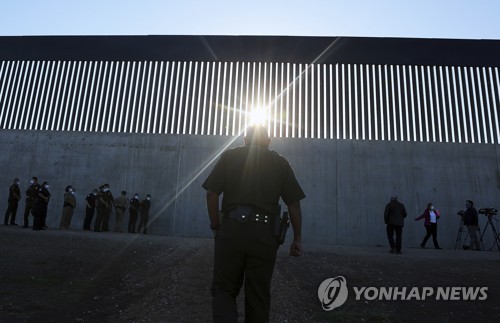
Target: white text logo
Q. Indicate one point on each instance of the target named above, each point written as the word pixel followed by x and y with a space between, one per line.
pixel 421 294
pixel 333 292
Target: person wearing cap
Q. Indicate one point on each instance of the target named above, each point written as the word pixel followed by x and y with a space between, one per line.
pixel 90 202
pixel 31 195
pixel 121 205
pixel 13 201
pixel 251 179
pixel 133 210
pixel 108 197
pixel 104 205
pixel 68 208
pixel 394 218
pixel 41 206
pixel 143 223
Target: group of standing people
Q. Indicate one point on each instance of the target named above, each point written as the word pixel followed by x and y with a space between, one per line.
pixel 102 201
pixel 37 200
pixel 395 213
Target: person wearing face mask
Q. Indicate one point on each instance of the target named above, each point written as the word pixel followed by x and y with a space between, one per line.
pixel 90 202
pixel 133 211
pixel 104 204
pixel 31 194
pixel 14 197
pixel 68 208
pixel 143 224
pixel 430 216
pixel 41 205
pixel 121 205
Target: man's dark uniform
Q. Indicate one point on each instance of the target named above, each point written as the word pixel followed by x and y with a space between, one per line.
pixel 394 217
pixel 31 195
pixel 13 201
pixel 108 197
pixel 143 223
pixel 133 211
pixel 104 204
pixel 40 208
pixel 89 211
pixel 252 179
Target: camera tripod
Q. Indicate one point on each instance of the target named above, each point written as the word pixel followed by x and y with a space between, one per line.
pixel 495 234
pixel 461 230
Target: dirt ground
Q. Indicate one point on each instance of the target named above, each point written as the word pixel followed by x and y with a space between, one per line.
pixel 77 276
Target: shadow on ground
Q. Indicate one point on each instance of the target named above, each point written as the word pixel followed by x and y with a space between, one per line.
pixel 77 276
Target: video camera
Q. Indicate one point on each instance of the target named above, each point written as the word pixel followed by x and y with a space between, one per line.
pixel 488 211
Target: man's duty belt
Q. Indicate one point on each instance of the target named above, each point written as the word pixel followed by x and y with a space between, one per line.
pixel 246 214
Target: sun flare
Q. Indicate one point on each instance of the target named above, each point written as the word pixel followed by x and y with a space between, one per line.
pixel 258 116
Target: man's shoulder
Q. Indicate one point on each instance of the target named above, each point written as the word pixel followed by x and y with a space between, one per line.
pixel 235 150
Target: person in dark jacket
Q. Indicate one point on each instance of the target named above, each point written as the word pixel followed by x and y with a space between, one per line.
pixel 251 180
pixel 394 217
pixel 40 208
pixel 90 202
pixel 143 223
pixel 13 201
pixel 133 210
pixel 68 208
pixel 471 221
pixel 31 195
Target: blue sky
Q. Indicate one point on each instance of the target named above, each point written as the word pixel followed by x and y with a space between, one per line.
pixel 473 19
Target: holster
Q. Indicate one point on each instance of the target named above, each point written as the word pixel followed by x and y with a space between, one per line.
pixel 281 226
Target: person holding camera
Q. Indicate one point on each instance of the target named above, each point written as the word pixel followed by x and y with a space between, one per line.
pixel 431 215
pixel 471 221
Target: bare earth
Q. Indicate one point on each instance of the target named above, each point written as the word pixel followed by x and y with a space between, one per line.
pixel 77 276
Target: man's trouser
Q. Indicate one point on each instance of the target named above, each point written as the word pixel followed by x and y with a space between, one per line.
pixel 244 253
pixel 101 213
pixel 105 219
pixel 11 213
pixel 474 240
pixel 390 236
pixel 120 212
pixel 39 212
pixel 89 215
pixel 132 220
pixel 27 210
pixel 143 224
pixel 67 215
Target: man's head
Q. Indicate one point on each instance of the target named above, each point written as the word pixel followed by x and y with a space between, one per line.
pixel 16 181
pixel 124 193
pixel 257 135
pixel 469 203
pixel 430 206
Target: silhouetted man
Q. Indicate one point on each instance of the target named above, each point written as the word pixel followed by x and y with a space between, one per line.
pixel 252 179
pixel 394 217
